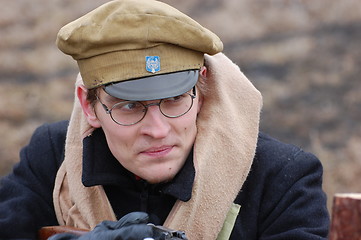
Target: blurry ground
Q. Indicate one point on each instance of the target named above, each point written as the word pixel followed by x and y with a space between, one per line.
pixel 304 56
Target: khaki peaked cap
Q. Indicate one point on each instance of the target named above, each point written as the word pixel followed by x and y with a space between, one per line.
pixel 111 42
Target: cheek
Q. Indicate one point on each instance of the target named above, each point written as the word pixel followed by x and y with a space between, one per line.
pixel 118 137
pixel 189 125
pixel 121 143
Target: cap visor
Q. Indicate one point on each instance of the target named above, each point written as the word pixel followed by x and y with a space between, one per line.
pixel 154 87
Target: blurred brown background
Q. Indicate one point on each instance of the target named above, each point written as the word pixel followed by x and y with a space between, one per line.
pixel 304 56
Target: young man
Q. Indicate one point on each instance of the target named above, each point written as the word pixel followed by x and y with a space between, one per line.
pixel 164 130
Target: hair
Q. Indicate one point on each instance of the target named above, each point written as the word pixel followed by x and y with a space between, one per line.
pixel 92 95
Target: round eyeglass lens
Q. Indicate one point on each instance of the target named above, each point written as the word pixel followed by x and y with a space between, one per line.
pixel 131 112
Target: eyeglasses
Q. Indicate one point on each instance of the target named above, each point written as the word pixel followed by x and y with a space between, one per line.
pixel 128 113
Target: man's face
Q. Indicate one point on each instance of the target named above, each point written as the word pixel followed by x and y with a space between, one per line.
pixel 154 149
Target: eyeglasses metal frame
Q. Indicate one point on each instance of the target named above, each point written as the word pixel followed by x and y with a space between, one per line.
pixel 109 110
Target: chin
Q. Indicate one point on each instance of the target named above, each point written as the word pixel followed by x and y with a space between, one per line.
pixel 157 179
pixel 160 173
pixel 160 178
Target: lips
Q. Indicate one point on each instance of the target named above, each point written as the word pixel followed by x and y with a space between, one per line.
pixel 158 151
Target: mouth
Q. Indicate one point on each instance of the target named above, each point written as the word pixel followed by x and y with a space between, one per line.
pixel 158 151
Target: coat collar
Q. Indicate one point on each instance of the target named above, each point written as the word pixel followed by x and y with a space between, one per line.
pixel 101 168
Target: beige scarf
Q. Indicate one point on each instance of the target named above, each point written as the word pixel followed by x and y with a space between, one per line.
pixel 224 149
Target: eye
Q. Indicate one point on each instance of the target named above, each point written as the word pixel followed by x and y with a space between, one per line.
pixel 128 106
pixel 174 99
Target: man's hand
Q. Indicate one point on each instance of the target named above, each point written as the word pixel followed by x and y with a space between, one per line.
pixel 132 226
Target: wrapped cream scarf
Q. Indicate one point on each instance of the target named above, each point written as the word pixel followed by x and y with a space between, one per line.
pixel 224 149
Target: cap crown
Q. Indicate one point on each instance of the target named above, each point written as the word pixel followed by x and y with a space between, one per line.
pixel 111 42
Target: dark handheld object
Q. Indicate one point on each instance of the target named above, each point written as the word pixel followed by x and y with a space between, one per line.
pixel 164 233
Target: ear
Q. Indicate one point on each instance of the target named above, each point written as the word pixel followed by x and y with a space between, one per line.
pixel 203 73
pixel 87 107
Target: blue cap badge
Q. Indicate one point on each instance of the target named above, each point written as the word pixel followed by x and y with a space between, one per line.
pixel 152 64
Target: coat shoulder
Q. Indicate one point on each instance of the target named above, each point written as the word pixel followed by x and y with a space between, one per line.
pixel 285 182
pixel 47 142
pixel 275 154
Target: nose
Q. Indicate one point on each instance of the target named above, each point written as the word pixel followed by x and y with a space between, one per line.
pixel 154 123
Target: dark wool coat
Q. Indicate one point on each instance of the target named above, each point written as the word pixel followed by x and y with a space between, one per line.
pixel 281 199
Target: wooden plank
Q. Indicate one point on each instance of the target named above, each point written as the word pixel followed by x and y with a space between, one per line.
pixel 346 217
pixel 46 232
